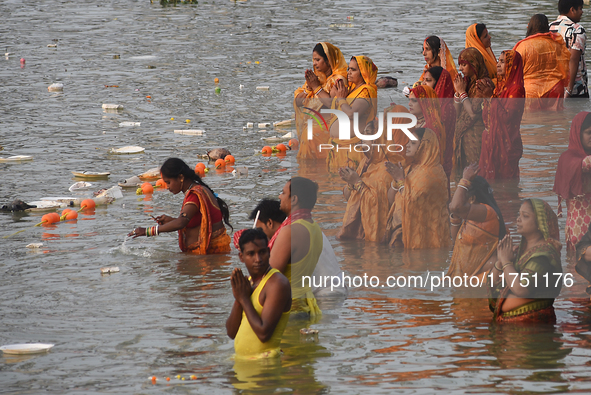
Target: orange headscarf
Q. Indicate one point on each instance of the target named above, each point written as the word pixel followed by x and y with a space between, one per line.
pixel 337 63
pixel 429 103
pixel 446 59
pixel 472 40
pixel 511 86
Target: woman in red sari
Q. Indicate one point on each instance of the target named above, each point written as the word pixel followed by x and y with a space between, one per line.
pixel 501 141
pixel 201 222
pixel 424 104
pixel 573 180
pixel 440 80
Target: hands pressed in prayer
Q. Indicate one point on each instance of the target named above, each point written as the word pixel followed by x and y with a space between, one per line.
pixel 312 79
pixel 505 250
pixel 349 175
pixel 241 287
pixel 486 87
pixel 459 84
pixel 341 89
pixel 395 170
pixel 471 171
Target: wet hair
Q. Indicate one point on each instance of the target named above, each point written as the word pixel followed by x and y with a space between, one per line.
pixel 250 235
pixel 564 6
pixel 479 29
pixel 319 49
pixel 269 209
pixel 175 167
pixel 537 24
pixel 434 43
pixel 306 190
pixel 586 123
pixel 481 189
pixel 419 132
pixel 435 72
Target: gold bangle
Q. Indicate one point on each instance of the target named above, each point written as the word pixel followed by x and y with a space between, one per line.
pixel 505 265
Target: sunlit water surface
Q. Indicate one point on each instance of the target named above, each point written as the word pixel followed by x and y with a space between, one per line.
pixel 164 313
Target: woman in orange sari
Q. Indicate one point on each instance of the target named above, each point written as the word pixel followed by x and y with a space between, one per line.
pixel 477 225
pixel 501 141
pixel 203 214
pixel 437 54
pixel 362 98
pixel 531 297
pixel 440 80
pixel 418 217
pixel 468 101
pixel 477 37
pixel 545 65
pixel 424 104
pixel 329 67
pixel 367 188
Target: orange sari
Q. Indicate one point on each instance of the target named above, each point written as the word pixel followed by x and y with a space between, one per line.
pixel 419 217
pixel 475 243
pixel 446 59
pixel 367 209
pixel 367 91
pixel 545 70
pixel 217 242
pixel 472 40
pixel 309 148
pixel 429 103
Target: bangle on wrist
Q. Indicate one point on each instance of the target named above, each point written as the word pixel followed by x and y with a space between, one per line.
pixel 499 269
pixel 505 265
pixel 317 90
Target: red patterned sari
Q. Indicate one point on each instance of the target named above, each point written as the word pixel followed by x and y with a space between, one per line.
pixel 501 141
pixel 445 90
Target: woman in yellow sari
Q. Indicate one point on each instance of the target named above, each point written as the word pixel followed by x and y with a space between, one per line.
pixel 367 188
pixel 436 53
pixel 329 67
pixel 360 98
pixel 418 217
pixel 477 37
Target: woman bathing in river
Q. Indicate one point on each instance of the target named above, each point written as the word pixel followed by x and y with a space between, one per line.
pixel 203 214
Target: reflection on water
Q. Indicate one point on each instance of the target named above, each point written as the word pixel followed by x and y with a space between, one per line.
pixel 163 314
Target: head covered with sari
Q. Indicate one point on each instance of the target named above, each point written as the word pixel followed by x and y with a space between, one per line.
pixel 511 85
pixel 429 103
pixel 474 59
pixel 445 56
pixel 368 70
pixel 547 222
pixel 444 87
pixel 473 40
pixel 336 60
pixel 568 182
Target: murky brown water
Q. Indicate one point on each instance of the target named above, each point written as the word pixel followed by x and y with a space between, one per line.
pixel 164 313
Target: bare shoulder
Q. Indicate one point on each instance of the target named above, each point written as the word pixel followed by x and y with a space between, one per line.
pixel 278 279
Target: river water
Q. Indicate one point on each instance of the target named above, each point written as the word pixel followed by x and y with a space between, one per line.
pixel 163 315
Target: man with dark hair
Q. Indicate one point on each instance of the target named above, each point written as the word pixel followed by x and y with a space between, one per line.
pixel 270 216
pixel 299 242
pixel 262 301
pixel 575 38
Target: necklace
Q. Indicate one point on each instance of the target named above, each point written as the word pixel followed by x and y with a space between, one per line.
pixel 190 186
pixel 263 276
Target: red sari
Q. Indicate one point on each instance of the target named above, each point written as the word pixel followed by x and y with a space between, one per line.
pixel 501 141
pixel 445 90
pixel 432 112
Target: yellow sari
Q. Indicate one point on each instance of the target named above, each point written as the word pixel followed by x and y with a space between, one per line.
pixel 368 91
pixel 472 40
pixel 446 59
pixel 309 148
pixel 419 217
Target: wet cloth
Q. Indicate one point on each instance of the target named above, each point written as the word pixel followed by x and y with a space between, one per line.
pixel 475 244
pixel 309 148
pixel 445 92
pixel 246 343
pixel 446 59
pixel 431 108
pixel 490 60
pixel 468 135
pixel 545 70
pixel 419 216
pixel 303 299
pixel 542 259
pixel 368 91
pixel 573 184
pixel 575 38
pixel 501 141
pixel 209 242
pixel 582 266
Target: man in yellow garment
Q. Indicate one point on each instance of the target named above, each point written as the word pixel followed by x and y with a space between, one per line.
pixel 299 242
pixel 262 301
